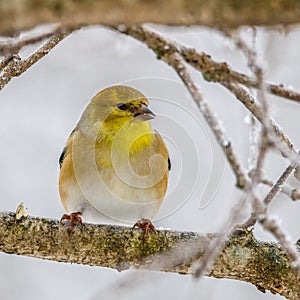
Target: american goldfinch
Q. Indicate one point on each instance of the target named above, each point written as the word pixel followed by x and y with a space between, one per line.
pixel 114 167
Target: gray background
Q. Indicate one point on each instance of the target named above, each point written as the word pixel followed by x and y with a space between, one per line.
pixel 39 110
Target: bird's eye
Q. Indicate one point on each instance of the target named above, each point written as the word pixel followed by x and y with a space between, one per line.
pixel 121 106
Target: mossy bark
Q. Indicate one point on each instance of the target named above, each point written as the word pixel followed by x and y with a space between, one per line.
pixel 243 258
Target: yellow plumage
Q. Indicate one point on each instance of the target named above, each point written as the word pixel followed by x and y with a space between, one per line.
pixel 114 167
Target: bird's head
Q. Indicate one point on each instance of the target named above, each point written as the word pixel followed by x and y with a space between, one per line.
pixel 115 107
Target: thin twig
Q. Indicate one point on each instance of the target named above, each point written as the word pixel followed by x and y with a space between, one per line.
pixel 270 129
pixel 289 191
pixel 210 69
pixel 171 56
pixel 262 145
pixel 277 187
pixel 253 140
pixel 259 208
pixel 256 109
pixel 215 247
pixel 16 67
pixel 174 59
pixel 267 134
pixel 264 142
pixel 218 72
pixel 177 63
pixel 13 45
pixel 221 72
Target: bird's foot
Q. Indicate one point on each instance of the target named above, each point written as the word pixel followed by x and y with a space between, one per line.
pixel 73 218
pixel 146 225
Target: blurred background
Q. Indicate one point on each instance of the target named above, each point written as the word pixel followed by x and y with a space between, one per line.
pixel 40 109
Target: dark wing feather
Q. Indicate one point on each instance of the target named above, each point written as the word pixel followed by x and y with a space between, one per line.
pixel 62 156
pixel 169 161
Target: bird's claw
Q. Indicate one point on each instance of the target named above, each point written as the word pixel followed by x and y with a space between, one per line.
pixel 146 225
pixel 73 218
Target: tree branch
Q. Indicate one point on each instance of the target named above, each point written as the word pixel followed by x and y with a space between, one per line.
pixel 212 120
pixel 218 72
pixel 291 192
pixel 13 65
pixel 243 257
pixel 13 45
pixel 180 12
pixel 288 148
pixel 211 70
pixel 120 247
pixel 170 54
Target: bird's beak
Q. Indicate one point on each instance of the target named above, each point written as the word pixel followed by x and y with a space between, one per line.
pixel 144 114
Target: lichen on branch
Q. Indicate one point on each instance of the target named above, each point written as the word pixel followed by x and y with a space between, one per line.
pixel 243 258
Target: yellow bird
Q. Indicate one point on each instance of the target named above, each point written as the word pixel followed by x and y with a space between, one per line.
pixel 114 167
